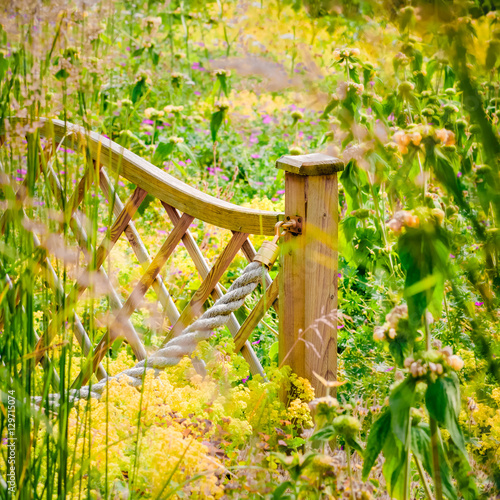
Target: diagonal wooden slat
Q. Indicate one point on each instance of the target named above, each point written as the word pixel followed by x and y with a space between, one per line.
pixel 121 222
pixel 195 305
pixel 135 298
pixel 203 269
pixel 139 249
pixel 77 228
pixel 257 314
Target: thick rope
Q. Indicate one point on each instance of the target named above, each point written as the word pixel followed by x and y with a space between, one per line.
pixel 178 347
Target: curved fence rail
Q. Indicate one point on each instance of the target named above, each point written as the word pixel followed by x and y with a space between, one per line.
pixel 105 162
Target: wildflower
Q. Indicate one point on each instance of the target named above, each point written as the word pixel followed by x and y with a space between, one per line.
pixel 416 138
pixel 297 115
pixel 222 72
pixel 447 137
pixel 169 109
pixel 402 140
pixel 456 362
pixel 175 140
pixel 153 114
pixel 401 219
pixel 222 104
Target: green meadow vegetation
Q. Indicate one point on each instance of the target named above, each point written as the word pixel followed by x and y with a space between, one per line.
pixel 407 94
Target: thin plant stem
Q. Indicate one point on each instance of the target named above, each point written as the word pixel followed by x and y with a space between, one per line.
pixel 408 461
pixel 435 459
pixel 421 473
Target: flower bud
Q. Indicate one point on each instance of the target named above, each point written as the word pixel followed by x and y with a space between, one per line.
pixel 408 362
pixel 347 426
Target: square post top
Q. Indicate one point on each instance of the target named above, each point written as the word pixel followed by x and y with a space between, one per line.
pixel 312 164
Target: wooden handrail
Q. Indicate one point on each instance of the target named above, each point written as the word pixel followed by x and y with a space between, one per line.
pixel 159 184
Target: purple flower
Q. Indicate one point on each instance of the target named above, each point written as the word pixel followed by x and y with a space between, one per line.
pixel 103 229
pixel 274 199
pixel 459 174
pixel 267 119
pixel 452 256
pixel 224 177
pixel 339 327
pixel 256 342
pixel 245 380
pixel 196 92
pixel 121 184
pixel 255 155
pixel 181 163
pixel 148 122
pixel 280 191
pixel 478 304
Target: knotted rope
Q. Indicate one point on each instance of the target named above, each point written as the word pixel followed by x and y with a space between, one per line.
pixel 184 344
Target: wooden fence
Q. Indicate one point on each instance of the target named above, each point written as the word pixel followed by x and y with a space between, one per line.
pixel 304 291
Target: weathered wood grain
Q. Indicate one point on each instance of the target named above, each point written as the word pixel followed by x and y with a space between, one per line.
pixel 162 185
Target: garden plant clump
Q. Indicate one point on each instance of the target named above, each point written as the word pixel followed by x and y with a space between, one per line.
pixel 407 94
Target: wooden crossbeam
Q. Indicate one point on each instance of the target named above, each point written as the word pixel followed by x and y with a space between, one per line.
pixel 139 249
pixel 203 269
pixel 135 298
pixel 195 306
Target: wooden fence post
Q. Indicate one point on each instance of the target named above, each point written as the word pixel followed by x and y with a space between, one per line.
pixel 309 263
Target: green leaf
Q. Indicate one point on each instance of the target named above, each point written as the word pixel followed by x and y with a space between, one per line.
pixel 62 74
pixel 421 448
pixel 442 399
pixel 4 65
pixel 324 434
pixel 274 351
pixel 401 400
pixel 355 445
pixel 330 107
pixel 139 90
pixel 280 490
pixel 216 122
pixel 163 151
pixel 376 440
pixel 395 460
